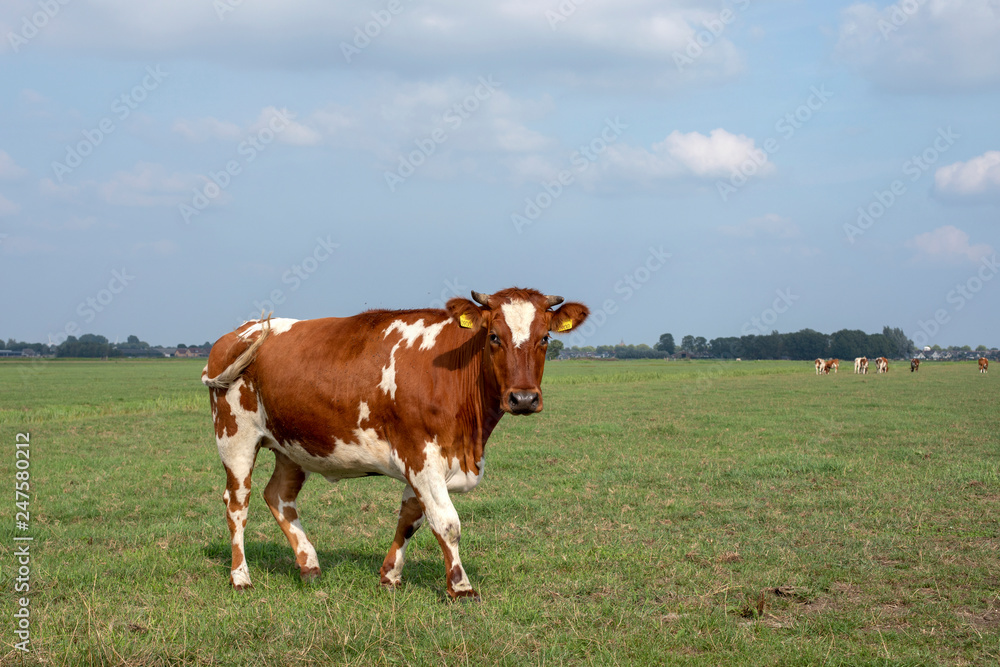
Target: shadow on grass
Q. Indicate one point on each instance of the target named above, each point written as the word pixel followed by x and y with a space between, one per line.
pixel 278 561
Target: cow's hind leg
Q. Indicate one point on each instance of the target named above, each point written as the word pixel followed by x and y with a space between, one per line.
pixel 238 457
pixel 411 515
pixel 280 494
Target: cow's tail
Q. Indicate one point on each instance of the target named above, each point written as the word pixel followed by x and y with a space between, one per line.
pixel 227 377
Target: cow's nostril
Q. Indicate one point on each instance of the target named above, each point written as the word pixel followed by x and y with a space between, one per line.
pixel 523 402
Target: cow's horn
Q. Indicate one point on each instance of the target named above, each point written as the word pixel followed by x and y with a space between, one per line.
pixel 481 299
pixel 553 300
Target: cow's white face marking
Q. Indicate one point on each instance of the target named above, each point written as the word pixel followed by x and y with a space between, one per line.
pixel 519 316
pixel 278 325
pixel 410 333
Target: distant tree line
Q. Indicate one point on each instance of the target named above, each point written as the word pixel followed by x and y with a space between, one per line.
pixel 93 346
pixel 800 345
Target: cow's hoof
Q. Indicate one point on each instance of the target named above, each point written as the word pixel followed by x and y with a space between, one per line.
pixel 465 596
pixel 240 581
pixel 310 575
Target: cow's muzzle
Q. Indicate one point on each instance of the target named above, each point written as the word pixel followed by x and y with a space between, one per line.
pixel 524 402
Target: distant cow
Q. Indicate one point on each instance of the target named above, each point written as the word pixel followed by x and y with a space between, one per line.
pixel 410 394
pixel 914 365
pixel 819 366
pixel 831 363
pixel 861 365
pixel 984 364
pixel 882 364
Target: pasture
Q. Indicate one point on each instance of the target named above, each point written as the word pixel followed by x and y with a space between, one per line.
pixel 690 513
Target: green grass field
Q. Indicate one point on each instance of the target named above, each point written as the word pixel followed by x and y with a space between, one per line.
pixel 656 513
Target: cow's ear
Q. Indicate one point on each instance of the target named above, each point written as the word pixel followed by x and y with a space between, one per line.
pixel 467 314
pixel 569 316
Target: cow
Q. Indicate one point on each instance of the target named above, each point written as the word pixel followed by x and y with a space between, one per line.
pixel 819 366
pixel 861 365
pixel 914 365
pixel 409 394
pixel 882 364
pixel 831 363
pixel 984 364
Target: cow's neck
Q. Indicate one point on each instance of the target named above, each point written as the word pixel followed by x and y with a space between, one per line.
pixel 488 394
pixel 482 395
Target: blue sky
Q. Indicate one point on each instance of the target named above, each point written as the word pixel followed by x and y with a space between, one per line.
pixel 704 168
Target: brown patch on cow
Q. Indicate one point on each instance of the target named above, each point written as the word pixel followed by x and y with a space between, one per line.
pixel 455 576
pixel 225 420
pixel 387 566
pixel 300 557
pixel 237 557
pixel 248 399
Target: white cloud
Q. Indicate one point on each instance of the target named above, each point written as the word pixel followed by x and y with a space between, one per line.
pixel 977 179
pixel 49 188
pixel 8 169
pixel 947 244
pixel 7 207
pixel 769 225
pixel 271 119
pixel 928 45
pixel 147 185
pixel 615 42
pixel 680 155
pixel 205 129
pixel 31 96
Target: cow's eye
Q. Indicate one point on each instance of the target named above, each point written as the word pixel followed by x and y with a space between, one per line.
pixel 545 340
pixel 495 339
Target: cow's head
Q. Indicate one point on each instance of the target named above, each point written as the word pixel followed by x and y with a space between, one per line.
pixel 514 325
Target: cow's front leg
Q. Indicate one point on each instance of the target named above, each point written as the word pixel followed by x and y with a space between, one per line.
pixel 432 493
pixel 411 515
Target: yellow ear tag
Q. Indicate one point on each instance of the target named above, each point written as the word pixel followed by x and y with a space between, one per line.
pixel 566 325
pixel 464 321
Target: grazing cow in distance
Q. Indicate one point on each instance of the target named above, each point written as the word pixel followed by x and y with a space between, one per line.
pixel 914 365
pixel 410 394
pixel 862 364
pixel 819 366
pixel 984 364
pixel 857 364
pixel 882 364
pixel 831 363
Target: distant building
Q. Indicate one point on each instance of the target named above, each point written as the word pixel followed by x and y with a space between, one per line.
pixel 188 352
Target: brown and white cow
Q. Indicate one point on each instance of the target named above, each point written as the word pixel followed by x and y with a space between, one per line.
pixel 882 364
pixel 831 363
pixel 819 366
pixel 411 394
pixel 861 365
pixel 914 364
pixel 984 364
